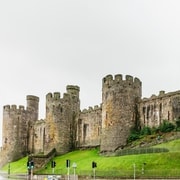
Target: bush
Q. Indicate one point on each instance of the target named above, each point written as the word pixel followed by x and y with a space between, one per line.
pixel 166 126
pixel 133 136
pixel 178 123
pixel 146 131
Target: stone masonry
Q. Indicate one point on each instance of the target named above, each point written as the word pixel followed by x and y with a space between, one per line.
pixel 66 127
pixel 119 102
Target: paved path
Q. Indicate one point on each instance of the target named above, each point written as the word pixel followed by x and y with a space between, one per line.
pixel 12 177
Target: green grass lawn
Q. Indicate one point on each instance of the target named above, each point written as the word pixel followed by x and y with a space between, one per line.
pixel 161 164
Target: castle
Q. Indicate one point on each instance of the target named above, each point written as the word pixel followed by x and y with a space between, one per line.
pixel 66 127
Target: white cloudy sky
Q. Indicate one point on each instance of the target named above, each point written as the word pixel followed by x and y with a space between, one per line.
pixel 46 45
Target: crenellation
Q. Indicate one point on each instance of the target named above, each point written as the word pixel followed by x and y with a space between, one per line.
pixel 90 109
pixel 13 107
pixel 49 96
pixel 153 96
pixel 129 78
pixel 108 81
pixel 161 93
pixel 57 96
pixel 96 107
pixel 108 78
pixel 21 108
pixel 118 78
pixel 6 108
pixel 175 93
pixel 137 82
pixel 84 111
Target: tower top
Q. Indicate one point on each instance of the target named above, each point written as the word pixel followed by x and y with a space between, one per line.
pixel 109 81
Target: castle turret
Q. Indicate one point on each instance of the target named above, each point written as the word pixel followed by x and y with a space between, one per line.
pixel 31 116
pixel 119 110
pixel 33 106
pixel 14 132
pixel 73 90
pixel 61 119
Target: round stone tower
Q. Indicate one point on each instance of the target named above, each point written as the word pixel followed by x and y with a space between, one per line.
pixel 61 119
pixel 33 106
pixel 14 132
pixel 119 110
pixel 32 116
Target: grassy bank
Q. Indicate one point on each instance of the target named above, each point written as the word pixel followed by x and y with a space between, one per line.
pixel 159 164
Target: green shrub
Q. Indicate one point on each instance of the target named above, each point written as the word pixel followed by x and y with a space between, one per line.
pixel 133 136
pixel 178 123
pixel 146 131
pixel 166 126
pixel 154 130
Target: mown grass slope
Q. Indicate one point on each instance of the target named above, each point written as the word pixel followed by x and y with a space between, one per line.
pixel 161 164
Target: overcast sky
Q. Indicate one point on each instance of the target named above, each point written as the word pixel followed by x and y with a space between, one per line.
pixel 46 45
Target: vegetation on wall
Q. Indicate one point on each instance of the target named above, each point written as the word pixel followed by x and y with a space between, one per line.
pixel 165 127
pixel 178 124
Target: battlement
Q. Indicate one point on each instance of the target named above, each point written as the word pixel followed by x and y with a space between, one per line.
pixel 21 108
pixel 71 90
pixel 161 95
pixel 39 122
pixel 90 109
pixel 109 81
pixel 50 97
pixel 54 96
pixel 6 107
pixel 13 107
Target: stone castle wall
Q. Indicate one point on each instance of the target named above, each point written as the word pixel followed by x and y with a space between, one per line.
pixel 18 138
pixel 119 98
pixel 60 126
pixel 39 136
pixel 14 131
pixel 66 127
pixel 156 109
pixel 89 127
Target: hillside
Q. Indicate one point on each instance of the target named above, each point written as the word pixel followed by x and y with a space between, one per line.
pixel 154 139
pixel 144 165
